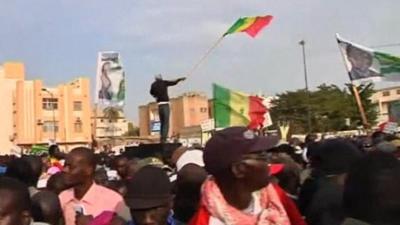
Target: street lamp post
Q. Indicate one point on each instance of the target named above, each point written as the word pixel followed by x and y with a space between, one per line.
pixel 54 114
pixel 303 43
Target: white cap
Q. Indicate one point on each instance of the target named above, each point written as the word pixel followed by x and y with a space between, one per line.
pixel 190 157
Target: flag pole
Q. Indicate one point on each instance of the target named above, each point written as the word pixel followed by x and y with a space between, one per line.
pixel 354 88
pixel 360 106
pixel 202 59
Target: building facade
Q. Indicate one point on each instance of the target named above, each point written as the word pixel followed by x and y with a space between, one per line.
pixel 10 74
pixel 384 98
pixel 104 127
pixel 59 115
pixel 188 110
pixel 33 114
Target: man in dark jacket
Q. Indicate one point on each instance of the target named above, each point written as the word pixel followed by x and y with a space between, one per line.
pixel 159 90
pixel 370 193
pixel 335 156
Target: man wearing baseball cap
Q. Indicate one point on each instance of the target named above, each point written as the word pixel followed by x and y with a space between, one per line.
pixel 150 198
pixel 238 190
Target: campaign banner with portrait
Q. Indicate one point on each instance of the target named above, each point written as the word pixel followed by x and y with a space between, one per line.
pixel 110 80
pixel 364 63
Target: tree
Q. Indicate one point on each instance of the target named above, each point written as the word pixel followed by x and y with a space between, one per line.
pixel 112 113
pixel 291 106
pixel 132 130
pixel 330 106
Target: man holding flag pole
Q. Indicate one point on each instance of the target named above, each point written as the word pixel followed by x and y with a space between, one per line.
pixel 159 88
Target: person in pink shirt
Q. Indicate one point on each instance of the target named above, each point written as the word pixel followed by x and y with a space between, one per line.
pixel 86 200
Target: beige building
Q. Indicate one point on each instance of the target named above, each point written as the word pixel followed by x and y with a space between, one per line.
pixel 106 128
pixel 35 114
pixel 383 98
pixel 60 114
pixel 10 74
pixel 187 111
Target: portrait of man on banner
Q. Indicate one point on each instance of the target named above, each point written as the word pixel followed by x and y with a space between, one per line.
pixel 361 63
pixel 110 80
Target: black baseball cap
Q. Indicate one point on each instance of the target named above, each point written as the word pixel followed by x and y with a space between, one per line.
pixel 149 188
pixel 230 144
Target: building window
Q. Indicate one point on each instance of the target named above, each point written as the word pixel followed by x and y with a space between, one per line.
pixel 203 109
pixel 78 126
pixel 50 126
pixel 398 91
pixel 77 106
pixel 385 93
pixel 50 103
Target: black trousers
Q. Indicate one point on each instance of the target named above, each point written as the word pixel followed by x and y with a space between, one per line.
pixel 164 111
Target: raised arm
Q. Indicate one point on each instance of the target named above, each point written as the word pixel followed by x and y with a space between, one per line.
pixel 174 82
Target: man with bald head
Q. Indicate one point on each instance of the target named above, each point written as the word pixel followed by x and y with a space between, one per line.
pixel 86 200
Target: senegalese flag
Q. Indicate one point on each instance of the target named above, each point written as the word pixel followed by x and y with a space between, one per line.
pixel 234 108
pixel 367 64
pixel 250 25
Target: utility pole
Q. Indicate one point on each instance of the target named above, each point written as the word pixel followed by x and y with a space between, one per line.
pixel 303 44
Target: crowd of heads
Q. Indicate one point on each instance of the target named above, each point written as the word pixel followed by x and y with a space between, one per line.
pixel 238 177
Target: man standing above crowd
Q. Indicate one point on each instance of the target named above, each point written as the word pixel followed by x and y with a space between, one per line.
pixel 159 90
pixel 86 200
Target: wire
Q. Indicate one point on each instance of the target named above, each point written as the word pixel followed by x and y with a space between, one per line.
pixel 386 45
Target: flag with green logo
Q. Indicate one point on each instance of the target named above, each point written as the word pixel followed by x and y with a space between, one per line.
pixel 364 63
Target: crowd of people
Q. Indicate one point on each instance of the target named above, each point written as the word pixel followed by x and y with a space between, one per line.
pixel 238 178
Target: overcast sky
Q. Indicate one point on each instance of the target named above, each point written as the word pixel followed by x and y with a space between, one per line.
pixel 58 40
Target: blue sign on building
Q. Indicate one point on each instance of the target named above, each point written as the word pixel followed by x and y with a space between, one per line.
pixel 155 126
